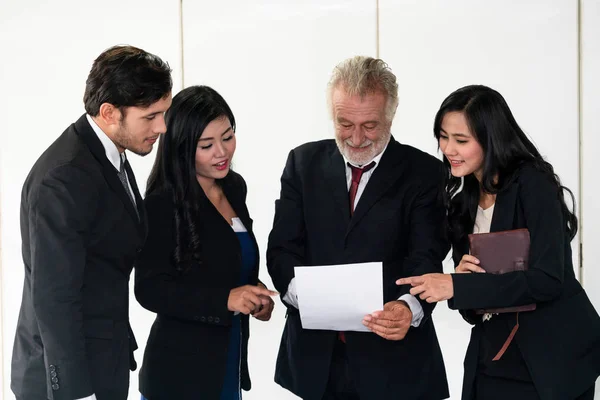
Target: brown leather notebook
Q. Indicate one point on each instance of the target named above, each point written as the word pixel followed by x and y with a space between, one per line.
pixel 499 253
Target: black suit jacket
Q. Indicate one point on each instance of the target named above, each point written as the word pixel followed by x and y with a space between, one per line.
pixel 80 235
pixel 186 352
pixel 398 220
pixel 560 340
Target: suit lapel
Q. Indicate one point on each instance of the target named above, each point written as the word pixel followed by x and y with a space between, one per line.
pixel 504 216
pixel 384 176
pixel 235 200
pixel 87 134
pixel 233 195
pixel 335 176
pixel 504 209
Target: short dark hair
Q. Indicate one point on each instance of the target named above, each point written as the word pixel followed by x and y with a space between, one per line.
pixel 126 76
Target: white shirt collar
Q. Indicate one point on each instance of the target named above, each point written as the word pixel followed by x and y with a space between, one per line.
pixel 112 153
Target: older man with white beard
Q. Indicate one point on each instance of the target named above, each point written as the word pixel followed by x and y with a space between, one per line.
pixel 359 198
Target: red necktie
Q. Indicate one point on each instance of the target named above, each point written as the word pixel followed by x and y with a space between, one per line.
pixel 356 175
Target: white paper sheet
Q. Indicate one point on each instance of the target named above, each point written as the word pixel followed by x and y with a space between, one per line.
pixel 337 297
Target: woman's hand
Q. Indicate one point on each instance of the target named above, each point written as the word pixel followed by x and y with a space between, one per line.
pixel 263 313
pixel 430 287
pixel 468 264
pixel 247 299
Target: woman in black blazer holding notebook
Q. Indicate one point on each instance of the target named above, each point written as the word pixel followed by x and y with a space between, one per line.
pixel 499 181
pixel 199 268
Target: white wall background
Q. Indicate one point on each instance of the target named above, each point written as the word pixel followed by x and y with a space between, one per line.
pixel 590 124
pixel 590 127
pixel 271 61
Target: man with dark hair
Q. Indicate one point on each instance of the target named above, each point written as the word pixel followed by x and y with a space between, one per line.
pixel 82 224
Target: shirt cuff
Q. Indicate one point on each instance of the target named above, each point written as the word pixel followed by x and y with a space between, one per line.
pixel 415 308
pixel 290 296
pixel 92 397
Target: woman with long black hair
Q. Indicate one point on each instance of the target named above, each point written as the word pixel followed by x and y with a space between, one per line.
pixel 199 267
pixel 498 182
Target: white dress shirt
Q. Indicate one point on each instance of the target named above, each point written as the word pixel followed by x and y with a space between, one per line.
pixel 483 219
pixel 291 297
pixel 110 148
pixel 113 155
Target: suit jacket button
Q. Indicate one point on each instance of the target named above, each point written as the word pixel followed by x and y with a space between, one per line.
pixel 52 368
pixel 52 374
pixel 210 319
pixel 55 386
pixel 196 318
pixel 139 250
pixel 217 320
pixel 202 319
pixel 54 380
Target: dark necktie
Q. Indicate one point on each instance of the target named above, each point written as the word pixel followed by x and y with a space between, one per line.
pixel 123 178
pixel 357 173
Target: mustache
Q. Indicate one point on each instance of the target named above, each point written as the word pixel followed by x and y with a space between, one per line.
pixel 366 143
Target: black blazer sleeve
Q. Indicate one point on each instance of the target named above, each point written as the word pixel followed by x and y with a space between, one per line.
pixel 61 212
pixel 159 287
pixel 428 245
pixel 286 240
pixel 543 281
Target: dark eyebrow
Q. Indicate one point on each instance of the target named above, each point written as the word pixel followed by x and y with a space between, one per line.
pixel 464 135
pixel 153 114
pixel 222 134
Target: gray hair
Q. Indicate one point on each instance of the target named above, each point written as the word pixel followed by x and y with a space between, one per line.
pixel 362 75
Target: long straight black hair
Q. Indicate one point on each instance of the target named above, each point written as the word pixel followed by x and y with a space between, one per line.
pixel 174 169
pixel 506 149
